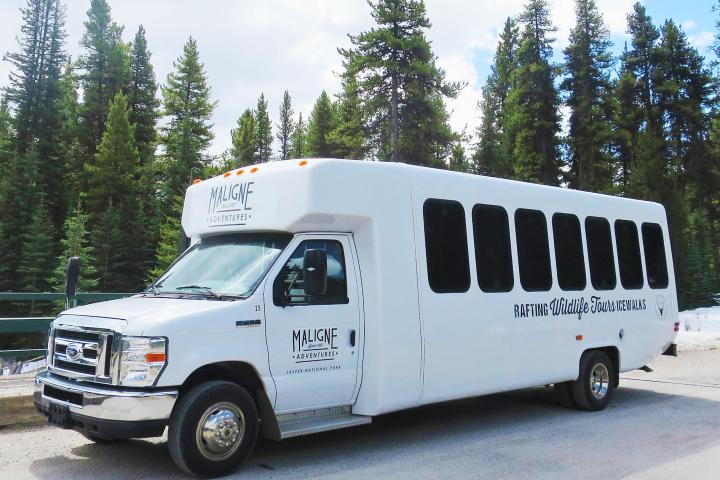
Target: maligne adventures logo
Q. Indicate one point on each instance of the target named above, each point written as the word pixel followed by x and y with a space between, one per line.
pixel 314 344
pixel 230 204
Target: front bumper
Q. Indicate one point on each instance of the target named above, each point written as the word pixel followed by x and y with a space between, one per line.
pixel 102 411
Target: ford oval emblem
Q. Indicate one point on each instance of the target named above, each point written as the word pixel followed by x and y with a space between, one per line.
pixel 73 351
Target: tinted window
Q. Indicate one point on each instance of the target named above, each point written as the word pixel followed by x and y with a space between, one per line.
pixel 655 261
pixel 288 286
pixel 446 246
pixel 569 257
pixel 600 253
pixel 493 256
pixel 533 250
pixel 628 250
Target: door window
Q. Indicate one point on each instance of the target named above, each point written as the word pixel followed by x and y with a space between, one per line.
pixel 288 286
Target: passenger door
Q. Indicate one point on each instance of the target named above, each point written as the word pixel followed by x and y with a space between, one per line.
pixel 313 342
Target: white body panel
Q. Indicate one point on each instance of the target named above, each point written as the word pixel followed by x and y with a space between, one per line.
pixel 414 346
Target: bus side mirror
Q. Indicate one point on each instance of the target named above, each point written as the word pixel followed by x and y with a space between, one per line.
pixel 71 280
pixel 184 241
pixel 315 272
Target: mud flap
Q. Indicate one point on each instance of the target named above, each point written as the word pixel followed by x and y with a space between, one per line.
pixel 671 350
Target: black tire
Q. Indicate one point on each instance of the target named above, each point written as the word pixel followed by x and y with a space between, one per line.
pixel 594 365
pixel 564 394
pixel 189 448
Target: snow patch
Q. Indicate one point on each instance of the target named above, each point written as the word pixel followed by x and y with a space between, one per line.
pixel 699 329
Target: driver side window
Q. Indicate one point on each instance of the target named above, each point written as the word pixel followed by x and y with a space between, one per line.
pixel 288 286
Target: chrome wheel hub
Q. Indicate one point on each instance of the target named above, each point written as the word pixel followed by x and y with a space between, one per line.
pixel 599 381
pixel 220 431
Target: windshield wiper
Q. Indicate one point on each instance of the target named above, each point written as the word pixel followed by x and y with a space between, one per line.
pixel 207 290
pixel 152 287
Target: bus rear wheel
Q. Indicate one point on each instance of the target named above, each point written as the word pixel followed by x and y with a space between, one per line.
pixel 593 388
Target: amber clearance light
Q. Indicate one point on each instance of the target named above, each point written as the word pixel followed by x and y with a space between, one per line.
pixel 155 357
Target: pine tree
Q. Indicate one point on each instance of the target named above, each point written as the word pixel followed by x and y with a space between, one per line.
pixel 68 110
pixel 588 61
pixel 36 69
pixel 493 155
pixel 321 123
pixel 75 243
pixel 37 260
pixel 701 270
pixel 640 129
pixel 298 147
pixel 641 61
pixel 682 86
pixel 19 195
pixel 285 127
pixel 399 82
pixel 5 281
pixel 186 100
pixel 112 178
pixel 34 92
pixel 144 113
pixel 167 250
pixel 533 122
pixel 626 121
pixel 6 136
pixel 264 131
pixel 142 98
pixel 244 139
pixel 458 159
pixel 348 138
pixel 110 244
pixel 106 71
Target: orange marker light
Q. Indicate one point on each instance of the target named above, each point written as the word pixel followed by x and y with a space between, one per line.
pixel 578 337
pixel 226 174
pixel 240 172
pixel 154 357
pixel 254 169
pixel 303 163
pixel 196 181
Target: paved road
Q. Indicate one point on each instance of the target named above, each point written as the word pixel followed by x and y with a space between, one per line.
pixel 664 424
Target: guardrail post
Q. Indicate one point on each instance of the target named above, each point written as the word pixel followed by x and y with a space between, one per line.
pixel 71 281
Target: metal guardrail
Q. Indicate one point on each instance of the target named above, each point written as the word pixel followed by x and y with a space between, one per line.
pixel 40 324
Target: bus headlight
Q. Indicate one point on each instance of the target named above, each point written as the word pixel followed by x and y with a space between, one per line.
pixel 142 359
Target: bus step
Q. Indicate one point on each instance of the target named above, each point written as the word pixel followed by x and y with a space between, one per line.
pixel 321 420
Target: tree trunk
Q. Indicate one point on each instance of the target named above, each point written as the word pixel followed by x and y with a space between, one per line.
pixel 394 118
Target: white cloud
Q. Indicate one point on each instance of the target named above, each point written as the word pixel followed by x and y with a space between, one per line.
pixel 701 40
pixel 688 25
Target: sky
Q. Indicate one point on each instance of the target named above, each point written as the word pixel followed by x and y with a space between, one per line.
pixel 251 46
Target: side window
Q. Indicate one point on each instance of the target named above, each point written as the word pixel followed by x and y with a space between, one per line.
pixel 446 246
pixel 533 250
pixel 569 257
pixel 628 249
pixel 493 256
pixel 655 260
pixel 288 285
pixel 600 253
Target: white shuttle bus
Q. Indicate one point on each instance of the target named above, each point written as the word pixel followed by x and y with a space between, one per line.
pixel 316 294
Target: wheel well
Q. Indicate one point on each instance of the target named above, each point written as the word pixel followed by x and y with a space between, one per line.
pixel 244 375
pixel 237 372
pixel 614 355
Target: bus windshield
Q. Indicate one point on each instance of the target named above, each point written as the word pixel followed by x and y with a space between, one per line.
pixel 226 265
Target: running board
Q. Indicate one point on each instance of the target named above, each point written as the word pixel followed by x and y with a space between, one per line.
pixel 322 420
